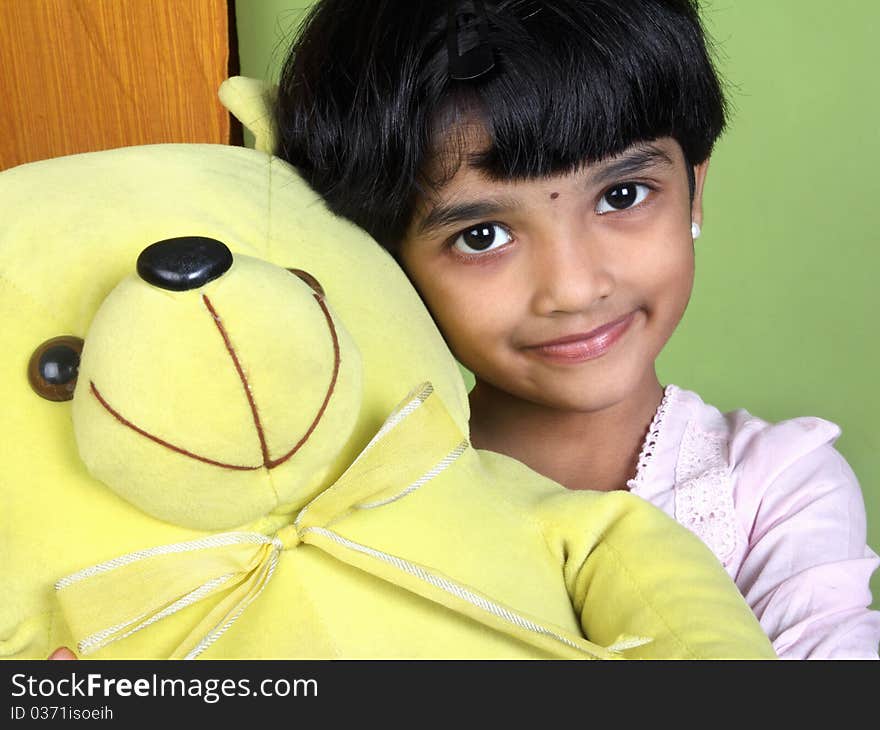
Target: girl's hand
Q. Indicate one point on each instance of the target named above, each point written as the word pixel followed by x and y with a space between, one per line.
pixel 62 652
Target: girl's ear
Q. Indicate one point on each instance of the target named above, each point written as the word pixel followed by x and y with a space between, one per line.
pixel 699 181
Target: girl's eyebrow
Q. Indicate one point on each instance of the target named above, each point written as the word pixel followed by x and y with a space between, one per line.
pixel 631 161
pixel 442 216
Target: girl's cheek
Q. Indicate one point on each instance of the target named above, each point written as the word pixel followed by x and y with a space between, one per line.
pixel 672 257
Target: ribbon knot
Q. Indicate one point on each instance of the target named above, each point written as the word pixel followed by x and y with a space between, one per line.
pixel 287 538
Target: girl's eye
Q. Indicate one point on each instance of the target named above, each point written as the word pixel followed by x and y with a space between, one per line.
pixel 482 237
pixel 622 196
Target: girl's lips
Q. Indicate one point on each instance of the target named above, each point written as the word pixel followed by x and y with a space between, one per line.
pixel 585 346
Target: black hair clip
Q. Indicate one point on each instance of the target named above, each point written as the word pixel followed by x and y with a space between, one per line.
pixel 468 63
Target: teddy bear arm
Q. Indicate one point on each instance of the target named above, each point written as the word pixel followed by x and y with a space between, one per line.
pixel 633 572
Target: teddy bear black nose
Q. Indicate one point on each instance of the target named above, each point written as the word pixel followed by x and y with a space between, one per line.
pixel 183 263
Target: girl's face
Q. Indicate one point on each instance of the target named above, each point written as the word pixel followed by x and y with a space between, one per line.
pixel 563 290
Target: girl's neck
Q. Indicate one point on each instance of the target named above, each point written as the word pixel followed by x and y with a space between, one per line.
pixel 579 449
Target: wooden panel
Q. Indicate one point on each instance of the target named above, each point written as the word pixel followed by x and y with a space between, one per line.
pixel 83 75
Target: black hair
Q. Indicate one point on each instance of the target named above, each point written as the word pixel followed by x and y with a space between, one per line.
pixel 366 99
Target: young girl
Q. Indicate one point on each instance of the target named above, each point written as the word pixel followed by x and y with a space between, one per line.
pixel 537 168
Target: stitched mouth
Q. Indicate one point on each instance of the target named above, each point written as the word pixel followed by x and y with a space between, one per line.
pixel 268 461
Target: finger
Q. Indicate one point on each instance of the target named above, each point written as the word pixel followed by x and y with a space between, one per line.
pixel 62 653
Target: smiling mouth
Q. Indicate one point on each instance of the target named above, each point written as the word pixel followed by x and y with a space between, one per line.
pixel 581 347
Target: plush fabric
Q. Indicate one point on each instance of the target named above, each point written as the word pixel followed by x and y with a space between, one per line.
pixel 251 468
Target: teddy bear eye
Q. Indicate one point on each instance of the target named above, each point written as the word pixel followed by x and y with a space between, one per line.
pixel 54 366
pixel 309 279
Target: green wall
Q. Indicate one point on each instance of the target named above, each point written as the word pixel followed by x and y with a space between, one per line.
pixel 782 320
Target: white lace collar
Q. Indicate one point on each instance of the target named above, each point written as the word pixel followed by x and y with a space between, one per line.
pixel 653 441
pixel 701 480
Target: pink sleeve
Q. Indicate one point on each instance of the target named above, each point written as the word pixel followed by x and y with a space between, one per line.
pixel 807 567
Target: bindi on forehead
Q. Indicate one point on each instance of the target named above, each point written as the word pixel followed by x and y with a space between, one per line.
pixel 553 196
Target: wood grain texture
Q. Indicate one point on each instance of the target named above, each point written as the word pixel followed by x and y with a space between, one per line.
pixel 84 75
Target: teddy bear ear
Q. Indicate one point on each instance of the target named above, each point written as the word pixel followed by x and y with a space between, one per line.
pixel 251 101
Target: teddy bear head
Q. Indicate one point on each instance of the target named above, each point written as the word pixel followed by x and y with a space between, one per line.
pixel 204 339
pixel 211 389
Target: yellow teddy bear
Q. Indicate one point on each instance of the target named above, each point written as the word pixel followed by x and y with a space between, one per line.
pixel 231 429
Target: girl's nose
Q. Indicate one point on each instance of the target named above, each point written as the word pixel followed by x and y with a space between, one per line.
pixel 571 274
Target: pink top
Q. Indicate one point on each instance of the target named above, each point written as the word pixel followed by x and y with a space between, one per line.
pixel 783 512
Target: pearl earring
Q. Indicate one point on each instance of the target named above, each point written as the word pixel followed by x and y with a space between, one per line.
pixel 695 231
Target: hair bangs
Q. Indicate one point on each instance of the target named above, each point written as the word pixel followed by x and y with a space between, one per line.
pixel 615 79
